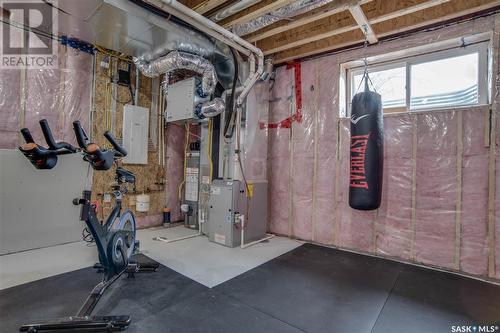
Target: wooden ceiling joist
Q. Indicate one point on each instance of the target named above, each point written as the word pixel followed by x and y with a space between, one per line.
pixel 329 9
pixel 333 25
pixel 208 5
pixel 376 11
pixel 253 12
pixel 387 24
pixel 363 23
pixel 204 6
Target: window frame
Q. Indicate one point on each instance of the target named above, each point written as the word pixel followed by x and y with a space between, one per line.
pixel 482 48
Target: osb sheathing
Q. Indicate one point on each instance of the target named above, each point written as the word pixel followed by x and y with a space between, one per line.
pixel 150 176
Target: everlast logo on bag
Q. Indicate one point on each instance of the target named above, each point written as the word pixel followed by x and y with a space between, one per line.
pixel 358 156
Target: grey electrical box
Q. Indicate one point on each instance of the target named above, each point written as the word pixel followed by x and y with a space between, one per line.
pixel 228 199
pixel 181 100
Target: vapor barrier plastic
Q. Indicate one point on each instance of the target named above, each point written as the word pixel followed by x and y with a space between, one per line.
pixel 283 13
pixel 175 136
pixel 303 155
pixel 326 152
pixel 393 221
pixel 436 193
pixel 60 95
pixel 436 185
pixel 280 107
pixel 255 158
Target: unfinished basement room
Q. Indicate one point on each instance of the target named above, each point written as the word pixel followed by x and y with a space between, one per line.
pixel 250 166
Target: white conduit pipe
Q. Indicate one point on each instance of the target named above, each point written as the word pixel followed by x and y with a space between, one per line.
pixel 216 31
pixel 243 245
pixel 166 240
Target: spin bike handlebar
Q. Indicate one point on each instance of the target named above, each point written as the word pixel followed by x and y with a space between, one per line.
pixel 62 147
pixel 39 156
pixel 100 159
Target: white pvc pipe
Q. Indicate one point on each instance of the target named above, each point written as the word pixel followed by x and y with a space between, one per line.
pixel 269 236
pixel 243 245
pixel 216 31
pixel 166 240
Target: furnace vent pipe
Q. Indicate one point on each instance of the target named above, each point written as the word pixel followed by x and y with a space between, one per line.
pixel 180 60
pixel 216 31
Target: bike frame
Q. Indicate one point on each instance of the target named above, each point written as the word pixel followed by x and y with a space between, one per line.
pixel 100 232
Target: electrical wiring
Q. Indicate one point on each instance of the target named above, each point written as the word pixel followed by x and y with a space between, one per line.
pixel 230 115
pixel 186 145
pixel 209 147
pixel 238 154
pixel 113 54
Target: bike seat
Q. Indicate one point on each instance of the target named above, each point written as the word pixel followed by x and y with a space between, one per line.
pixel 125 175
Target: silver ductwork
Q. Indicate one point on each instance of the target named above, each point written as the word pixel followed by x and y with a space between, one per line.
pixel 180 60
pixel 286 12
pixel 233 9
pixel 176 60
pixel 213 108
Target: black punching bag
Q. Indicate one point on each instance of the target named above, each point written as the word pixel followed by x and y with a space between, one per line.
pixel 367 151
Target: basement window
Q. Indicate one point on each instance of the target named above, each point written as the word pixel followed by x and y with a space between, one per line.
pixel 444 79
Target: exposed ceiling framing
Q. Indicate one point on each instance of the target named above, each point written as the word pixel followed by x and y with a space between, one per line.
pixel 340 23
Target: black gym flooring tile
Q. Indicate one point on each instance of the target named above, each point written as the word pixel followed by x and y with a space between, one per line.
pixel 424 300
pixel 310 289
pixel 318 289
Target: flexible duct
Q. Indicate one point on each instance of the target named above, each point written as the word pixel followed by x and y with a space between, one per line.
pixel 213 108
pixel 181 37
pixel 181 60
pixel 293 9
pixel 233 9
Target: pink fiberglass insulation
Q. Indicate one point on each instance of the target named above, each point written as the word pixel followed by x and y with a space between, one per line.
pixel 431 181
pixel 77 75
pixel 496 248
pixel 393 224
pixel 326 133
pixel 279 152
pixel 303 155
pixel 175 137
pixel 354 227
pixel 474 212
pixel 59 95
pixel 436 189
pixel 256 141
pixel 148 221
pixel 10 104
pixel 43 93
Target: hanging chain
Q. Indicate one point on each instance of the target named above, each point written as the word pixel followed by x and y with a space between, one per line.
pixel 365 50
pixel 365 77
pixel 365 60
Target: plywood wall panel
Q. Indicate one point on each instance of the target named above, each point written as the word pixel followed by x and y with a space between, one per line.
pixel 148 176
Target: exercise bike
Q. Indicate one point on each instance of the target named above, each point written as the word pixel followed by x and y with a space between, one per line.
pixel 115 239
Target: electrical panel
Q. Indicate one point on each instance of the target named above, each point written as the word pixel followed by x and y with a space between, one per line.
pixel 135 134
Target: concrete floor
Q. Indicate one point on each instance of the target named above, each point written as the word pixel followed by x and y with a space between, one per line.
pixel 27 266
pixel 207 263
